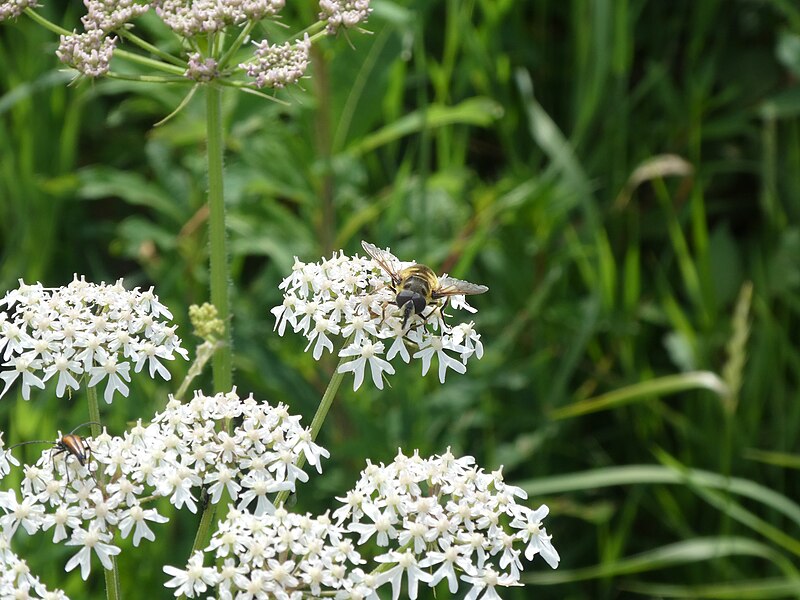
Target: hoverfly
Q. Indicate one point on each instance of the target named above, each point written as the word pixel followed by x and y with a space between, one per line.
pixel 417 286
pixel 71 444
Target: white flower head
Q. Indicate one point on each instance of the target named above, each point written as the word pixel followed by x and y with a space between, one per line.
pixel 359 300
pixel 443 518
pixel 89 499
pixel 98 332
pixel 16 579
pixel 278 555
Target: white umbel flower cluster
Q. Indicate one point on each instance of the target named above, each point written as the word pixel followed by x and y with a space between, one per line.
pixel 83 330
pixel 280 555
pixel 444 518
pixel 425 521
pixel 184 448
pixel 351 298
pixel 16 579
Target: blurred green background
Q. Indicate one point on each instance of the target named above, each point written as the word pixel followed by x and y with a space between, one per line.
pixel 624 175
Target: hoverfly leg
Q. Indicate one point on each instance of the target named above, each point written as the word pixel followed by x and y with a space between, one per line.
pixel 440 310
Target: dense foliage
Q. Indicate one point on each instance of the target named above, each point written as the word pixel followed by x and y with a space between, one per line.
pixel 622 175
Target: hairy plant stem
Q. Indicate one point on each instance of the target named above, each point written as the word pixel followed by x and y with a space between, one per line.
pixel 222 362
pixel 110 575
pixel 112 581
pixel 94 411
pixel 204 527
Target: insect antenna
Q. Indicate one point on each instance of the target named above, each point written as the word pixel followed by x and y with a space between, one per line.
pixel 10 448
pixel 85 424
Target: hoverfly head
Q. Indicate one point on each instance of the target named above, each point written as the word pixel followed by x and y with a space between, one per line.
pixel 411 303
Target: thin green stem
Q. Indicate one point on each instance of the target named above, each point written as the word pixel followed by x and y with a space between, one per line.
pixel 111 575
pixel 177 68
pixel 237 43
pixel 204 352
pixel 319 417
pixel 148 47
pixel 204 528
pixel 151 63
pixel 94 410
pixel 147 78
pixel 222 362
pixel 49 25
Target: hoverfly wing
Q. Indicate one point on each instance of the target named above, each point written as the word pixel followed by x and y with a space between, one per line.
pixel 450 286
pixel 385 259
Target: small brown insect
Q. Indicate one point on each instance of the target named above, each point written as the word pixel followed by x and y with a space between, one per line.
pixel 71 444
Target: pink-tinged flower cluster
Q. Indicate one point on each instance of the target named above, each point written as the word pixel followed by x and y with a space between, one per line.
pixel 185 449
pixel 189 19
pixel 89 53
pixel 351 298
pixel 278 66
pixel 11 9
pixel 94 332
pixel 201 69
pixel 343 13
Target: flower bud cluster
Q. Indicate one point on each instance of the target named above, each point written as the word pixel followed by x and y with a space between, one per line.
pixel 97 331
pixel 11 9
pixel 277 66
pixel 186 447
pixel 108 15
pixel 343 13
pixel 201 69
pixel 352 298
pixel 89 52
pixel 189 19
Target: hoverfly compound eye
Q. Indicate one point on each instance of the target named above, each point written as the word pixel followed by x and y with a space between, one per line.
pixel 419 303
pixel 407 296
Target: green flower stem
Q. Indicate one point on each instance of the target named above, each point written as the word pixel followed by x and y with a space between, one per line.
pixel 203 354
pixel 177 68
pixel 112 581
pixel 152 63
pixel 111 576
pixel 154 50
pixel 94 411
pixel 237 43
pixel 222 362
pixel 319 417
pixel 204 528
pixel 147 78
pixel 49 25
